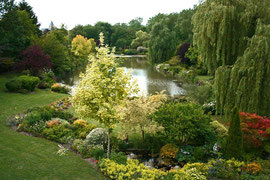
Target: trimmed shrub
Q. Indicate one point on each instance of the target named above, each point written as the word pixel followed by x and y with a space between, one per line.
pixel 97 136
pixel 29 82
pixel 220 130
pixel 14 85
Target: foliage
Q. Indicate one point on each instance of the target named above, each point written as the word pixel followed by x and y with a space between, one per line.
pixel 14 85
pixel 201 92
pixel 255 131
pixel 81 131
pixel 135 170
pixel 141 39
pixel 51 123
pixel 162 42
pixel 221 29
pixel 245 84
pixel 60 88
pixel 220 130
pixel 22 83
pixel 181 51
pixel 6 64
pixel 135 114
pixel 102 88
pixel 35 60
pixel 119 158
pixel 97 152
pixel 225 169
pixel 59 133
pixel 234 144
pixel 169 151
pixel 254 168
pixel 79 123
pixel 184 123
pixel 185 154
pixel 82 47
pixel 17 32
pixel 23 5
pixel 26 149
pixel 97 136
pixel 55 44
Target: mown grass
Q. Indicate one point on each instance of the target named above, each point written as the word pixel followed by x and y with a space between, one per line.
pixel 25 157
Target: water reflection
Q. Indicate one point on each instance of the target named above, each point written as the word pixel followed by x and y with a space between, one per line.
pixel 150 81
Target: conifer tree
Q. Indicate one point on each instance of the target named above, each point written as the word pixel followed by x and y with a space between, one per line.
pixel 234 144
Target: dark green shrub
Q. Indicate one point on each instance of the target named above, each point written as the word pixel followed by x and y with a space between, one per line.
pixel 184 123
pixel 175 69
pixel 97 152
pixel 234 144
pixel 201 93
pixel 58 133
pixel 225 169
pixel 14 85
pixel 29 82
pixel 119 158
pixel 185 154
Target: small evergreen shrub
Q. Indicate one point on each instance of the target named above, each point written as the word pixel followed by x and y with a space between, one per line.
pixel 29 82
pixel 14 85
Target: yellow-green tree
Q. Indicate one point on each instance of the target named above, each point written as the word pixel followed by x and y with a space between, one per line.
pixel 82 47
pixel 136 113
pixel 102 88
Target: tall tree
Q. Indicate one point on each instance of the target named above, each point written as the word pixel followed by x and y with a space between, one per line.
pixel 23 5
pixel 247 83
pixel 16 32
pixel 55 44
pixel 6 6
pixel 82 47
pixel 221 29
pixel 102 88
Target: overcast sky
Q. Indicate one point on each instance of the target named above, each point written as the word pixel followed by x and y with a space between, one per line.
pixel 73 12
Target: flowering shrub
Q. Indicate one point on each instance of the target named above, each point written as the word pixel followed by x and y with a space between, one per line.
pixel 54 122
pixel 135 170
pixel 169 151
pixel 60 89
pixel 225 169
pixel 255 129
pixel 254 168
pixel 97 136
pixel 80 123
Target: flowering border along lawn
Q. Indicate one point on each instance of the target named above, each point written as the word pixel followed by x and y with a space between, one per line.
pixel 26 157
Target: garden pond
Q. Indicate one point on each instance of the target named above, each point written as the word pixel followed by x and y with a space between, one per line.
pixel 149 80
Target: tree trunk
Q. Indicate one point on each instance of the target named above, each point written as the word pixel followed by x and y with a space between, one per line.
pixel 143 135
pixel 109 144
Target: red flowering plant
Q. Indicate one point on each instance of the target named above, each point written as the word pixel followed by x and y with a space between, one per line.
pixel 255 129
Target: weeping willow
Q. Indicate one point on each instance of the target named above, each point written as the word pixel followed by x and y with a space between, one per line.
pixel 222 27
pixel 246 84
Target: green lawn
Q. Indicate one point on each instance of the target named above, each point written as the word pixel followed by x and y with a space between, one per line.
pixel 25 157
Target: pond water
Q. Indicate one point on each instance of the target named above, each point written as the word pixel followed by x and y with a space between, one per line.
pixel 149 80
